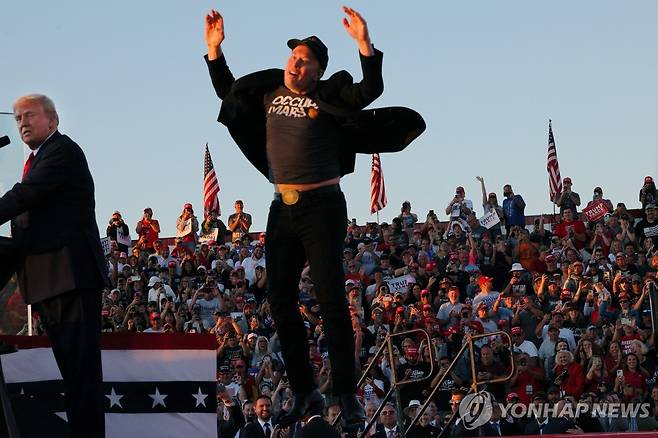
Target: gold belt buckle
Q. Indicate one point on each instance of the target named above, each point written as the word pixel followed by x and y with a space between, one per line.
pixel 290 197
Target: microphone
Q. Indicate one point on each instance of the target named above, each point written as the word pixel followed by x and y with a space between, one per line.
pixel 4 141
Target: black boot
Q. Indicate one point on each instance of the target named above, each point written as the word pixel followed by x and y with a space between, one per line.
pixel 351 409
pixel 307 404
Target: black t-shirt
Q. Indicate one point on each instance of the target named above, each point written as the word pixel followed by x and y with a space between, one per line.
pixel 645 230
pixel 303 143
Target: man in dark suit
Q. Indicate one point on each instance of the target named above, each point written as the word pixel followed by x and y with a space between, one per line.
pixel 263 426
pixel 303 133
pixel 61 268
pixel 316 427
pixel 387 427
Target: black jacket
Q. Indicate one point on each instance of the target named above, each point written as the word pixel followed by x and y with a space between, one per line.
pixel 362 131
pixel 316 428
pixel 253 430
pixel 54 223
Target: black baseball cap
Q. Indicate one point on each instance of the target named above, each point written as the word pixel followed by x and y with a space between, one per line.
pixel 316 46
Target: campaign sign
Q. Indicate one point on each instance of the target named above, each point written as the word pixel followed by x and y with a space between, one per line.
pixel 399 284
pixel 595 211
pixel 489 220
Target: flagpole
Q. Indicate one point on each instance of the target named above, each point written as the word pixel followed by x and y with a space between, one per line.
pixel 377 217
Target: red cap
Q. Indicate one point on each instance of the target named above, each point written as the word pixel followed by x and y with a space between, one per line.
pixel 430 266
pixel 427 307
pixel 477 326
pixel 424 293
pixel 567 179
pixel 187 205
pixel 511 396
pixel 502 323
pixel 451 331
pixel 550 258
pixel 399 309
pixel 484 279
pixel 648 180
pixel 154 315
pixel 578 263
pixel 172 263
pixel 517 330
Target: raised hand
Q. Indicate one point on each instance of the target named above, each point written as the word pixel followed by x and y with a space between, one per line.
pixel 357 28
pixel 214 33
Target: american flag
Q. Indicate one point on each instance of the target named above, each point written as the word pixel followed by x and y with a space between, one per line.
pixel 552 166
pixel 156 385
pixel 210 185
pixel 377 189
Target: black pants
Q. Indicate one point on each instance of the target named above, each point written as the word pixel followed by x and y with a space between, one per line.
pixel 314 228
pixel 72 322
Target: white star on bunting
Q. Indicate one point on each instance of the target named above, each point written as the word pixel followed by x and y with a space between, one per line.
pixel 115 399
pixel 200 398
pixel 158 399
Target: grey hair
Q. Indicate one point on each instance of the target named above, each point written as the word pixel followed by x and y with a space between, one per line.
pixel 46 103
pixel 567 352
pixel 643 348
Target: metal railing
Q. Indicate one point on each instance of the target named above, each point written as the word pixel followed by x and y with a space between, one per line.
pixel 394 390
pixel 469 339
pixel 387 345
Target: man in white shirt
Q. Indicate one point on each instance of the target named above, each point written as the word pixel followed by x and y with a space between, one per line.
pixel 523 345
pixel 448 314
pixel 556 318
pixel 547 347
pixel 249 264
pixel 156 324
pixel 158 290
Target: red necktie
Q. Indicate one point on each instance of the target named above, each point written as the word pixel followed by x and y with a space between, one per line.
pixel 28 163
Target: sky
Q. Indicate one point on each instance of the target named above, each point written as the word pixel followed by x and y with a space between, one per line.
pixel 131 87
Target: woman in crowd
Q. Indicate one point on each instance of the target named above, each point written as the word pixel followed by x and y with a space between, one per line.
pixel 632 375
pixel 568 374
pixel 597 378
pixel 613 358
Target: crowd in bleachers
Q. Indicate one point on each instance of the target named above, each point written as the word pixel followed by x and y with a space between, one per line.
pixel 574 296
